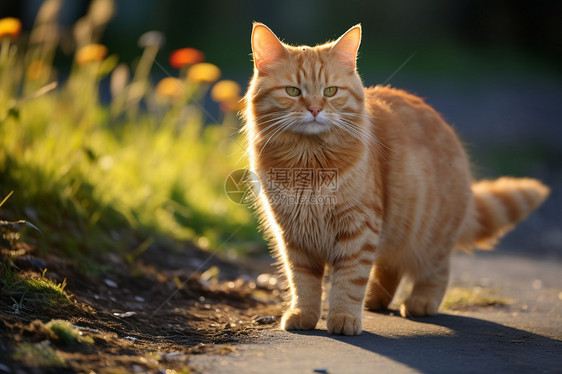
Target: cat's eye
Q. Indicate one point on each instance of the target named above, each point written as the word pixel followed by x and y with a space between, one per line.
pixel 292 91
pixel 330 91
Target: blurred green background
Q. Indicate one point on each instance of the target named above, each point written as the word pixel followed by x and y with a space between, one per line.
pixel 462 38
pixel 492 68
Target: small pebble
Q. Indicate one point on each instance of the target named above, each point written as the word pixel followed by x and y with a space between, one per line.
pixel 110 283
pixel 263 280
pixel 124 315
pixel 323 371
pixel 173 356
pixel 265 320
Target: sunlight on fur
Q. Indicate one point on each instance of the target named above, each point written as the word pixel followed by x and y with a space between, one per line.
pixel 369 183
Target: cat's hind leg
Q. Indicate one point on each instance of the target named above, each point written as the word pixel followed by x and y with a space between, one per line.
pixel 429 288
pixel 382 286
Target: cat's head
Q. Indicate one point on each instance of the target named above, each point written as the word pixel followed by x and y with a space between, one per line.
pixel 305 90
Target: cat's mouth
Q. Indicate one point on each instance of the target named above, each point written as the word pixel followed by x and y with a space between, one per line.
pixel 311 127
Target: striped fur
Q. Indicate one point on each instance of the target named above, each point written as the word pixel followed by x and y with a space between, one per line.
pixel 496 207
pixel 403 199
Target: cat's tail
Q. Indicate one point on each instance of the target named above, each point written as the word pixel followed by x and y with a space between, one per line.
pixel 497 206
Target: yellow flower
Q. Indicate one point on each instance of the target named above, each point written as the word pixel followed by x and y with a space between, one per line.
pixel 10 27
pixel 170 87
pixel 91 52
pixel 225 90
pixel 203 72
pixel 227 94
pixel 233 105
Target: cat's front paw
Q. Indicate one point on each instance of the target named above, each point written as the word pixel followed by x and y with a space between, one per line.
pixel 419 306
pixel 344 324
pixel 297 319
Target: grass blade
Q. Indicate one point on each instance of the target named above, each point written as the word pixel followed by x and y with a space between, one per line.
pixel 6 198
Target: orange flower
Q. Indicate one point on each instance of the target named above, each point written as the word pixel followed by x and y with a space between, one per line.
pixel 225 90
pixel 170 87
pixel 203 72
pixel 91 52
pixel 10 27
pixel 186 56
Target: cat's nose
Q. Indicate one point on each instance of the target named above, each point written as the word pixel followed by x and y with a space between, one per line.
pixel 314 110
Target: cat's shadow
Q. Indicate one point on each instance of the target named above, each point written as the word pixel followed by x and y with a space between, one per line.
pixel 468 345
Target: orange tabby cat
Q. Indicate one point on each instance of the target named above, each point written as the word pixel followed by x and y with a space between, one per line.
pixel 370 183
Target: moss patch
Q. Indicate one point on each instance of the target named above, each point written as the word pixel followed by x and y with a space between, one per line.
pixel 38 355
pixel 32 289
pixel 461 298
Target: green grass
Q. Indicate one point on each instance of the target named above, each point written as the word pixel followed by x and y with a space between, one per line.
pixel 110 178
pixel 106 184
pixel 101 186
pixel 32 293
pixel 52 292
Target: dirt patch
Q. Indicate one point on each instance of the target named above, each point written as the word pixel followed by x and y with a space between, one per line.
pixel 149 315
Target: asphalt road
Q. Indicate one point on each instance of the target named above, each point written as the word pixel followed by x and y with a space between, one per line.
pixel 524 337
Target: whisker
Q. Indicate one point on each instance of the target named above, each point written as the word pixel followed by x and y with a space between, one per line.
pixel 358 132
pixel 354 132
pixel 274 133
pixel 362 115
pixel 268 127
pixel 365 138
pixel 277 121
pixel 273 116
pixel 368 134
pixel 273 120
pixel 277 131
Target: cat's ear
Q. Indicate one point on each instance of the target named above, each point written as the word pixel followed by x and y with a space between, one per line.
pixel 345 48
pixel 266 47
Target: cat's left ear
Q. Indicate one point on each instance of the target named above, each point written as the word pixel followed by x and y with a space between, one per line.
pixel 345 48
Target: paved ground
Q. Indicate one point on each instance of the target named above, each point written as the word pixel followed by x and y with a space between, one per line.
pixel 524 337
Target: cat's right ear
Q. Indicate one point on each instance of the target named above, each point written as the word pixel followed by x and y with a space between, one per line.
pixel 266 47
